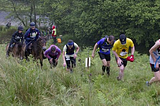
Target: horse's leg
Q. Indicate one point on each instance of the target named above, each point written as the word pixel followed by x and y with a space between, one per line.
pixel 21 54
pixel 14 50
pixel 41 60
pixel 26 55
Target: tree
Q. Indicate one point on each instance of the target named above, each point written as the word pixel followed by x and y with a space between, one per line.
pixel 23 10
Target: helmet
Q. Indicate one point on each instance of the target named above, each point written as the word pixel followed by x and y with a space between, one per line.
pixel 32 24
pixel 20 28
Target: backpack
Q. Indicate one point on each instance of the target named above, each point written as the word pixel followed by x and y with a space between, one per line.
pixel 59 40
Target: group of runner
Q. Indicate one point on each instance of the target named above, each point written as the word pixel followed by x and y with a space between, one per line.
pixel 69 55
pixel 120 49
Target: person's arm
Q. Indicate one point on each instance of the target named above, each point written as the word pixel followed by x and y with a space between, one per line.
pixel 116 55
pixel 132 47
pixel 46 54
pixel 94 49
pixel 13 37
pixel 132 50
pixel 119 61
pixel 26 36
pixel 37 35
pixel 154 48
pixel 59 53
pixel 22 39
pixel 75 54
pixel 64 50
pixel 64 61
pixel 77 50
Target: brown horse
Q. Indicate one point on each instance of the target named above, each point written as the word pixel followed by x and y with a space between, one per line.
pixel 18 50
pixel 37 49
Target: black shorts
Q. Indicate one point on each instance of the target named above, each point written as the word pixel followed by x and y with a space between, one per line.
pixel 124 61
pixel 154 69
pixel 72 60
pixel 104 56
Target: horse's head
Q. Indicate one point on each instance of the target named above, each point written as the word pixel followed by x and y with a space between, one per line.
pixel 20 44
pixel 42 41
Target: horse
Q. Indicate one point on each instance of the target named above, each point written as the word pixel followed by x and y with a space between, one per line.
pixel 18 50
pixel 37 49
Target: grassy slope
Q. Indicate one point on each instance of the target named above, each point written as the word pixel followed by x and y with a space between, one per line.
pixel 24 83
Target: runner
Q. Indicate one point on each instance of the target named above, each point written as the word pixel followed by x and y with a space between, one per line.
pixel 155 62
pixel 53 53
pixel 104 44
pixel 69 56
pixel 120 50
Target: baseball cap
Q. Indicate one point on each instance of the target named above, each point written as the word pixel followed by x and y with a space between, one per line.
pixel 122 38
pixel 70 42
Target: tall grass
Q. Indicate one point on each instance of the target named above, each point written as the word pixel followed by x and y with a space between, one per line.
pixel 25 83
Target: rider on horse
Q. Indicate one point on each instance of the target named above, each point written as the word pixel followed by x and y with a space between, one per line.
pixel 16 37
pixel 31 35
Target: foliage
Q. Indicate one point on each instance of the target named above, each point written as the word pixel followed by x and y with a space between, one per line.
pixel 6 34
pixel 90 20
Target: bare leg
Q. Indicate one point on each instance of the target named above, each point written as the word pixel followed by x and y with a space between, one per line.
pixel 121 72
pixel 155 78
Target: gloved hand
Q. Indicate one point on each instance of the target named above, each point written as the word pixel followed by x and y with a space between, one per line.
pixel 130 58
pixel 32 39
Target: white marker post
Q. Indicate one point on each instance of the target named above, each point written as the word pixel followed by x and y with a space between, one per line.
pixel 88 62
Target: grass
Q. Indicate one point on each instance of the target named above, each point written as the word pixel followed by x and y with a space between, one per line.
pixel 26 84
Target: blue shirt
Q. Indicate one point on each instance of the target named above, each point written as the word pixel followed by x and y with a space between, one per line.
pixel 32 34
pixel 104 46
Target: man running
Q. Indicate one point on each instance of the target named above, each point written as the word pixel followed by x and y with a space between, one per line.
pixel 155 62
pixel 104 44
pixel 69 55
pixel 53 53
pixel 120 50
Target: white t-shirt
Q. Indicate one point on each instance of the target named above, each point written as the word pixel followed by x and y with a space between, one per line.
pixel 65 48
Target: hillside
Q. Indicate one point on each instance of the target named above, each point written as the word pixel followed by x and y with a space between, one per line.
pixel 25 83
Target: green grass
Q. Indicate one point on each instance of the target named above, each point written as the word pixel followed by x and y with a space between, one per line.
pixel 25 83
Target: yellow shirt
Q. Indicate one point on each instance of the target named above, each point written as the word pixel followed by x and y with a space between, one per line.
pixel 122 50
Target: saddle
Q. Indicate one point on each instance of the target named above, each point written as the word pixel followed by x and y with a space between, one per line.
pixel 13 44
